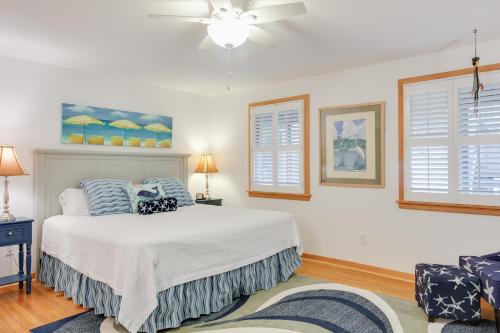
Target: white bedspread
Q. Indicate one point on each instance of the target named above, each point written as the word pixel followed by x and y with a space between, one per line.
pixel 139 256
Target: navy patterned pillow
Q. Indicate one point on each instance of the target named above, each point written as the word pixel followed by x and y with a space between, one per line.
pixel 106 196
pixel 148 207
pixel 173 187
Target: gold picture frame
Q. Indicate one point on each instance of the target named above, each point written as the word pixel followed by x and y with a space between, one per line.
pixel 352 145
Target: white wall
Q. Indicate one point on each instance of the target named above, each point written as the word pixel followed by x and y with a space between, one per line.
pixel 333 222
pixel 30 104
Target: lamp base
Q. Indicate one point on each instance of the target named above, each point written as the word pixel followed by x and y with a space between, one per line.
pixel 6 217
pixel 207 193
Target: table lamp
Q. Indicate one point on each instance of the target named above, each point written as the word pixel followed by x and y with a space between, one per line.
pixel 9 166
pixel 206 166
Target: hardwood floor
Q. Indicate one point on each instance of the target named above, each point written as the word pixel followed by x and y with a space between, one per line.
pixel 321 270
pixel 20 312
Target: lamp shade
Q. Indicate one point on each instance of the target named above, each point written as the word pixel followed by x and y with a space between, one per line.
pixel 9 162
pixel 206 165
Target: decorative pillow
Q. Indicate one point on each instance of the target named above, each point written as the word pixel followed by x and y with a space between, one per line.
pixel 73 202
pixel 106 196
pixel 148 207
pixel 173 187
pixel 140 192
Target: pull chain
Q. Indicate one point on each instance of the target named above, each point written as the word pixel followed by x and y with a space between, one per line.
pixel 475 42
pixel 229 69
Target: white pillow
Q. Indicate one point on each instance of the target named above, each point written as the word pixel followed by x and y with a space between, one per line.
pixel 74 202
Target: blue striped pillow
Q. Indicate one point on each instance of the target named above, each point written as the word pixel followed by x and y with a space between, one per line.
pixel 106 196
pixel 173 187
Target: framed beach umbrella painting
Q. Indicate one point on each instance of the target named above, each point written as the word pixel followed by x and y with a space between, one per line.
pixel 352 145
pixel 100 126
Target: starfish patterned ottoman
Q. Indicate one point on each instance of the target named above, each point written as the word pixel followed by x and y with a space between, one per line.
pixel 487 269
pixel 448 292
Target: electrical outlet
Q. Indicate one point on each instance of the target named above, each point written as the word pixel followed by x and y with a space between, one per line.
pixel 362 240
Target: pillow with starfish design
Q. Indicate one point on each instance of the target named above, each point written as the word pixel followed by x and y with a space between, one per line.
pixel 161 205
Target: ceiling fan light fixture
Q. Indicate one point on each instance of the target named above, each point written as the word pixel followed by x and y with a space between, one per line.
pixel 229 33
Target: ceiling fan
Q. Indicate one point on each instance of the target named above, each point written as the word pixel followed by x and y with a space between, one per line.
pixel 231 23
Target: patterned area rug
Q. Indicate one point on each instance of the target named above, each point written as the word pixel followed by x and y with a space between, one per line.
pixel 299 305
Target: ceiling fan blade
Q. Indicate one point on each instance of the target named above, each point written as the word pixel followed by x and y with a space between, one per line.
pixel 274 13
pixel 179 7
pixel 206 43
pixel 261 36
pixel 221 5
pixel 202 20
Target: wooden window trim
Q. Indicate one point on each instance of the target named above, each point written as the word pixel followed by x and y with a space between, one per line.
pixel 434 206
pixel 306 196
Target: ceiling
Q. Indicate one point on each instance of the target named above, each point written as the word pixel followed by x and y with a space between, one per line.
pixel 114 37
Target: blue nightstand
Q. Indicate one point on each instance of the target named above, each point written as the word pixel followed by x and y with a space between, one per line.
pixel 18 232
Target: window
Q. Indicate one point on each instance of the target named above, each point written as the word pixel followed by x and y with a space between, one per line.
pixel 279 148
pixel 450 156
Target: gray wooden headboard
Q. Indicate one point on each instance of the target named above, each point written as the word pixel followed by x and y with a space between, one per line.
pixel 56 170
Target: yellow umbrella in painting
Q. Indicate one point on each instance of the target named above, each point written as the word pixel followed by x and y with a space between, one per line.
pixel 125 124
pixel 157 128
pixel 83 120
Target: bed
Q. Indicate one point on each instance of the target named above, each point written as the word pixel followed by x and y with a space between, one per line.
pixel 152 272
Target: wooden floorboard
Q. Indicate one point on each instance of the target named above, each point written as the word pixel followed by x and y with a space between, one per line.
pixel 20 312
pixel 360 279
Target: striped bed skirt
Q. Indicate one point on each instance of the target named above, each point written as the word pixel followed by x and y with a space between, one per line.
pixel 176 304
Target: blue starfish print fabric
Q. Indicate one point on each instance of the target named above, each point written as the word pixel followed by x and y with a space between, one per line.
pixel 448 292
pixel 148 207
pixel 487 269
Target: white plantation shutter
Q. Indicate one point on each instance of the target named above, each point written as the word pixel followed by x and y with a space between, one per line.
pixel 479 169
pixel 478 142
pixel 263 130
pixel 452 145
pixel 263 168
pixel 277 148
pixel 289 127
pixel 429 169
pixel 429 114
pixel 288 147
pixel 262 154
pixel 289 168
pixel 427 141
pixel 485 120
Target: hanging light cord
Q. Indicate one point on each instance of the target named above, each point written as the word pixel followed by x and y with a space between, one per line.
pixel 476 85
pixel 475 42
pixel 229 69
